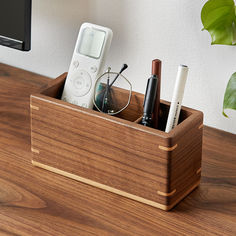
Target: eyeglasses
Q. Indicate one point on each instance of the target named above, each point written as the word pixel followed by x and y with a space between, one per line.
pixel 112 93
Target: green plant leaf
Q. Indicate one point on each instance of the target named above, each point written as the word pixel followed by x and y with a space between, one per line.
pixel 230 95
pixel 219 19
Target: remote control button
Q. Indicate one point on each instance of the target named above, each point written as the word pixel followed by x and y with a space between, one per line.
pixel 82 83
pixel 93 69
pixel 79 83
pixel 76 64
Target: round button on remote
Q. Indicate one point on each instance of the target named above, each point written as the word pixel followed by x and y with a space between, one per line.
pixel 76 64
pixel 82 83
pixel 79 82
pixel 93 69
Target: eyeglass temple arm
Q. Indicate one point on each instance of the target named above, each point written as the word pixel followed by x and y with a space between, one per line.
pixel 108 86
pixel 124 67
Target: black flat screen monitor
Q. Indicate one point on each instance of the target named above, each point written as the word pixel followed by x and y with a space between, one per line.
pixel 15 24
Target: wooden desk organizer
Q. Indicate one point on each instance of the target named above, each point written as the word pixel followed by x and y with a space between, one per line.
pixel 116 153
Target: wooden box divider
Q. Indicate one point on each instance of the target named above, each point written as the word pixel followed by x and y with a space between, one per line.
pixel 117 153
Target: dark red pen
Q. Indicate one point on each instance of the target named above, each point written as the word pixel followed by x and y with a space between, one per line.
pixel 156 70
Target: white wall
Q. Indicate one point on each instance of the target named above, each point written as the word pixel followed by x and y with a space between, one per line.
pixel 143 30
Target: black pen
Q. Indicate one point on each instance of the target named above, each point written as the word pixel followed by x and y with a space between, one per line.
pixel 149 101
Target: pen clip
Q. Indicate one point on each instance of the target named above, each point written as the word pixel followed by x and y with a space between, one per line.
pixel 146 93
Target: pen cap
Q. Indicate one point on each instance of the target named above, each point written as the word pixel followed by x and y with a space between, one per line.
pixel 150 95
pixel 156 68
pixel 180 83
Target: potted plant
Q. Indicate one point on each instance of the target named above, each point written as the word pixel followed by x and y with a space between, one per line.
pixel 219 19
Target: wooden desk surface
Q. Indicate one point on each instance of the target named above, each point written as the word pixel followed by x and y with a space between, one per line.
pixel 36 202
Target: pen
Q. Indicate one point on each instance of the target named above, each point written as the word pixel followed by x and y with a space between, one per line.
pixel 156 70
pixel 177 98
pixel 149 101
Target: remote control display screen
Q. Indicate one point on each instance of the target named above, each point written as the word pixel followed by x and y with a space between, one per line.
pixel 91 42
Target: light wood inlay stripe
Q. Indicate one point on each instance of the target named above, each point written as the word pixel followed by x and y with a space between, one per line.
pixel 34 107
pixel 199 170
pixel 101 186
pixel 166 194
pixel 168 149
pixel 114 190
pixel 201 126
pixel 35 150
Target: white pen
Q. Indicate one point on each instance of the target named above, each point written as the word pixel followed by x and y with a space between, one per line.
pixel 177 98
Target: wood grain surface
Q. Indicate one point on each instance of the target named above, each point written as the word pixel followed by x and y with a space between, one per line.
pixel 36 202
pixel 116 154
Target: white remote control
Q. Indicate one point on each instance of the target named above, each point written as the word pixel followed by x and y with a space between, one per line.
pixel 88 60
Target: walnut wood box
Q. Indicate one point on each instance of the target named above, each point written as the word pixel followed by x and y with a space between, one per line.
pixel 117 153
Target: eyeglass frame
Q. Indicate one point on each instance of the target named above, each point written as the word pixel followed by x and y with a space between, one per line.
pixel 130 92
